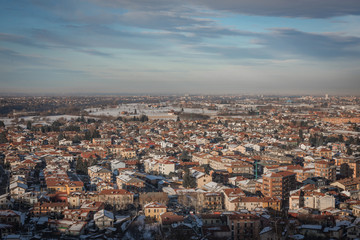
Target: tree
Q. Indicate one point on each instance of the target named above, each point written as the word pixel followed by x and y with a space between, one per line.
pixel 2 124
pixel 3 138
pixel 28 125
pixel 76 139
pixel 301 135
pixel 188 180
pixel 144 118
pixel 184 156
pixel 349 151
pixel 60 137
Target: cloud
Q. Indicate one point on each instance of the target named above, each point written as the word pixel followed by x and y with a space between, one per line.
pixel 277 8
pixel 13 38
pixel 286 8
pixel 96 53
pixel 13 58
pixel 317 45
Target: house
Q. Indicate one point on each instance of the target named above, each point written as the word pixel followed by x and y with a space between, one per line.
pixel 154 210
pixel 69 227
pixel 10 217
pixel 231 196
pixel 244 226
pixel 212 201
pixel 17 190
pixel 53 208
pixel 166 167
pixel 118 198
pixel 159 197
pixel 347 184
pixel 5 202
pixel 201 178
pixel 130 183
pixel 76 214
pixel 65 186
pixel 169 218
pixel 104 219
pixel 116 164
pixel 100 173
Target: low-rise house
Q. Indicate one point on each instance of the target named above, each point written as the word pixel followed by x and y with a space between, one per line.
pixel 317 200
pixel 154 210
pixel 69 227
pixel 169 218
pixel 10 217
pixel 244 226
pixel 347 184
pixel 130 183
pixel 212 201
pixel 159 197
pixel 231 197
pixel 65 186
pixel 104 219
pixel 17 190
pixel 201 178
pixel 5 201
pixel 117 198
pixel 77 214
pixel 116 164
pixel 100 173
pixel 51 208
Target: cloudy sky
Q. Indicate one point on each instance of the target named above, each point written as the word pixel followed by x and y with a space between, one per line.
pixel 172 46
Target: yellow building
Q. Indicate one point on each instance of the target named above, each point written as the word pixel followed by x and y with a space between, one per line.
pixel 68 187
pixel 154 210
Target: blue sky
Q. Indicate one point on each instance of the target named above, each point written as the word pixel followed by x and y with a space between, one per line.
pixel 167 46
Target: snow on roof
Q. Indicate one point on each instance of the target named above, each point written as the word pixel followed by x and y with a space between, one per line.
pixel 265 230
pixel 311 226
pixel 103 213
pixel 298 237
pixel 76 227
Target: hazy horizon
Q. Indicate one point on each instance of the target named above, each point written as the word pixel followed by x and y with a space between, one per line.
pixel 187 47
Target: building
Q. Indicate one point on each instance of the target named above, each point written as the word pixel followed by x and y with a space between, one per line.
pixel 244 226
pixel 347 184
pixel 232 197
pixel 104 219
pixel 154 210
pixel 65 186
pixel 212 201
pixel 278 184
pixel 325 169
pixel 100 173
pixel 117 198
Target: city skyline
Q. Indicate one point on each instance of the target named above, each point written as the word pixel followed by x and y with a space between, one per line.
pixel 196 47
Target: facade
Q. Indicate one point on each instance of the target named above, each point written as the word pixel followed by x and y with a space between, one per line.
pixel 212 200
pixel 244 226
pixel 325 169
pixel 100 173
pixel 117 198
pixel 154 210
pixel 104 219
pixel 278 184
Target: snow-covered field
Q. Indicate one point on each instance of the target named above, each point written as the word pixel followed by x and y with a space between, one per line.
pixel 37 119
pixel 139 109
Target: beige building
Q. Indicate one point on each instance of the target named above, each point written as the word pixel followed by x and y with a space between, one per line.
pixel 100 172
pixel 154 210
pixel 118 198
pixel 201 178
pixel 231 198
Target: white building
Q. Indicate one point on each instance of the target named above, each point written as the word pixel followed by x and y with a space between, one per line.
pixel 104 219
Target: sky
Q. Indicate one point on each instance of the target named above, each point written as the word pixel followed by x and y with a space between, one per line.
pixel 177 47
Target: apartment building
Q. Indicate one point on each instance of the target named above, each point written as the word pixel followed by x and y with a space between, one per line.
pixel 278 184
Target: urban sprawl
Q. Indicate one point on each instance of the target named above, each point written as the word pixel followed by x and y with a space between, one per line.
pixel 180 167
